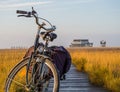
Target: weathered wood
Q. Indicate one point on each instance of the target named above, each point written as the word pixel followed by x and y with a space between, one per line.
pixel 77 82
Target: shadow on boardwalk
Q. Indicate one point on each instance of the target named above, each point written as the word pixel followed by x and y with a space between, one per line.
pixel 78 82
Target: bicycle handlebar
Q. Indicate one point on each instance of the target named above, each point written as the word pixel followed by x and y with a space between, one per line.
pixel 34 14
pixel 21 12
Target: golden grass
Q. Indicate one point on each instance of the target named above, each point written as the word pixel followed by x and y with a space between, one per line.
pixel 102 65
pixel 8 59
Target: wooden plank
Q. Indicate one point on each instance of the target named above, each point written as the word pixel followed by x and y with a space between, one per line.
pixel 77 82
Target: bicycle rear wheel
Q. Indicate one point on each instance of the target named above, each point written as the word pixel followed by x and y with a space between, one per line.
pixel 16 81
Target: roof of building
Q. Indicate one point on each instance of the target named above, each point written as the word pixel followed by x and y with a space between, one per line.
pixel 80 40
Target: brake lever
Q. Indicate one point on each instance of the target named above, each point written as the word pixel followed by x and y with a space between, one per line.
pixel 21 16
pixel 24 16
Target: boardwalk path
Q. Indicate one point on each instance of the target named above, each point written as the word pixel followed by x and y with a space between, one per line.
pixel 78 82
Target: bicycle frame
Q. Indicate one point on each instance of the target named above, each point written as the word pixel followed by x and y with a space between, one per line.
pixel 37 66
pixel 40 26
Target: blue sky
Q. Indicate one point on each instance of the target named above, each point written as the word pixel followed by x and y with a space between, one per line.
pixel 95 20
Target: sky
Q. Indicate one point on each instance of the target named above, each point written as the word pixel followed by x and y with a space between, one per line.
pixel 95 20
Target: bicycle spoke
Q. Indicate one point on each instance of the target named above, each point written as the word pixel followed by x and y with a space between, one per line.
pixel 16 82
pixel 38 79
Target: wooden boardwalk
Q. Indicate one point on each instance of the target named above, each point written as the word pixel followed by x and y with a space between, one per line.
pixel 78 82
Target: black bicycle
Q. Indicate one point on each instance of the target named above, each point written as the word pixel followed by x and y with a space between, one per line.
pixel 36 73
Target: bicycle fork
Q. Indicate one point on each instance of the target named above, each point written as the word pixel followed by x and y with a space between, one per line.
pixel 37 74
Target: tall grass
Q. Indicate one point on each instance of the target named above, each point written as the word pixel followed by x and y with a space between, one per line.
pixel 8 59
pixel 102 66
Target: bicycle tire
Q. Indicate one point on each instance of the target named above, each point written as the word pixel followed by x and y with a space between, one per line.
pixel 24 63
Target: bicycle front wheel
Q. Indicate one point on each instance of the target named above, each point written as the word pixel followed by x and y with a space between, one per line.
pixel 16 81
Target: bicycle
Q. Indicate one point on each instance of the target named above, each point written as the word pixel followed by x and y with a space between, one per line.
pixel 36 73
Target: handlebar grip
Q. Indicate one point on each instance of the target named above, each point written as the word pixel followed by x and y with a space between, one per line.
pixel 21 12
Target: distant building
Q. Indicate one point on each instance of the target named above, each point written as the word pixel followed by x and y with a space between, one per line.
pixel 81 43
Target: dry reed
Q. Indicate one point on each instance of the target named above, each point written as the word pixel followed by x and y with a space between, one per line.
pixel 103 66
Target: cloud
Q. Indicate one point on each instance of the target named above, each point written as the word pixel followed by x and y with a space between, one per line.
pixel 8 1
pixel 81 1
pixel 4 6
pixel 74 1
pixel 86 1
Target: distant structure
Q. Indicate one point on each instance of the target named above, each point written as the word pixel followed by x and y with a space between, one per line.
pixel 103 43
pixel 81 43
pixel 18 47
